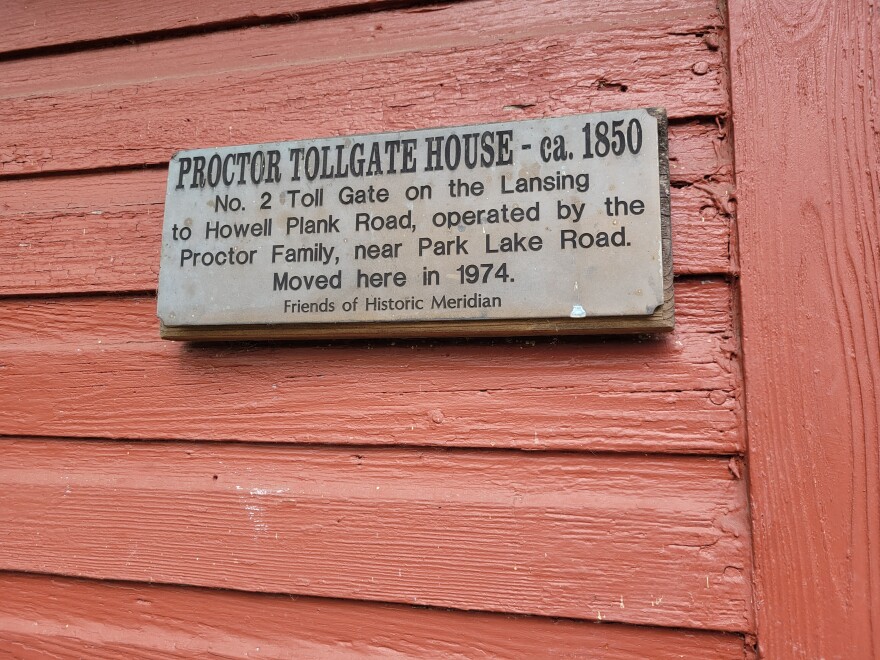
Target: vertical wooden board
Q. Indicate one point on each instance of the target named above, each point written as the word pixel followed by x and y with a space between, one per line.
pixel 41 615
pixel 806 114
pixel 657 541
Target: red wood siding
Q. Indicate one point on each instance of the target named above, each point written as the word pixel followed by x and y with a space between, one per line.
pixel 808 169
pixel 675 394
pixel 477 61
pixel 471 530
pixel 46 23
pixel 382 488
pixel 101 232
pixel 42 615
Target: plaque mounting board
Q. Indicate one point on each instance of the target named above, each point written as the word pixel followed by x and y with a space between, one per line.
pixel 544 226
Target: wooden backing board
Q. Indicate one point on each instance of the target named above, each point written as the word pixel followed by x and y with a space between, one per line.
pixel 660 541
pixel 806 112
pixel 42 615
pixel 113 377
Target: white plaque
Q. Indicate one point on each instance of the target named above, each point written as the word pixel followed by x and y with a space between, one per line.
pixel 527 227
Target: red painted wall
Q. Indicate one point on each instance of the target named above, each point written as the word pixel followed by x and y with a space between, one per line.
pixel 807 116
pixel 354 498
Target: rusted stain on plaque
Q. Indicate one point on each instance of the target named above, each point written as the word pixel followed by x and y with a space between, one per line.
pixel 533 227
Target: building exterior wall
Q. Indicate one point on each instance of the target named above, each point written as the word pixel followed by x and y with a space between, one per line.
pixel 514 497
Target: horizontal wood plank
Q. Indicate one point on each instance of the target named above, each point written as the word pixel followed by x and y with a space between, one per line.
pixel 410 29
pixel 660 541
pixel 101 232
pixel 111 376
pixel 41 615
pixel 109 239
pixel 356 74
pixel 44 23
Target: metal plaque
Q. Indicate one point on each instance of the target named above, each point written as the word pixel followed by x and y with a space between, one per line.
pixel 531 227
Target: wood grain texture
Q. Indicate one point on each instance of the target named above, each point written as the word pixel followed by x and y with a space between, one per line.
pixel 65 617
pixel 312 496
pixel 416 30
pixel 111 376
pixel 101 232
pixel 465 63
pixel 660 541
pixel 44 23
pixel 806 110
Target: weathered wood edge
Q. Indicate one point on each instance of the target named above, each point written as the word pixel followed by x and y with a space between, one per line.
pixel 29 34
pixel 662 320
pixel 312 522
pixel 668 306
pixel 44 613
